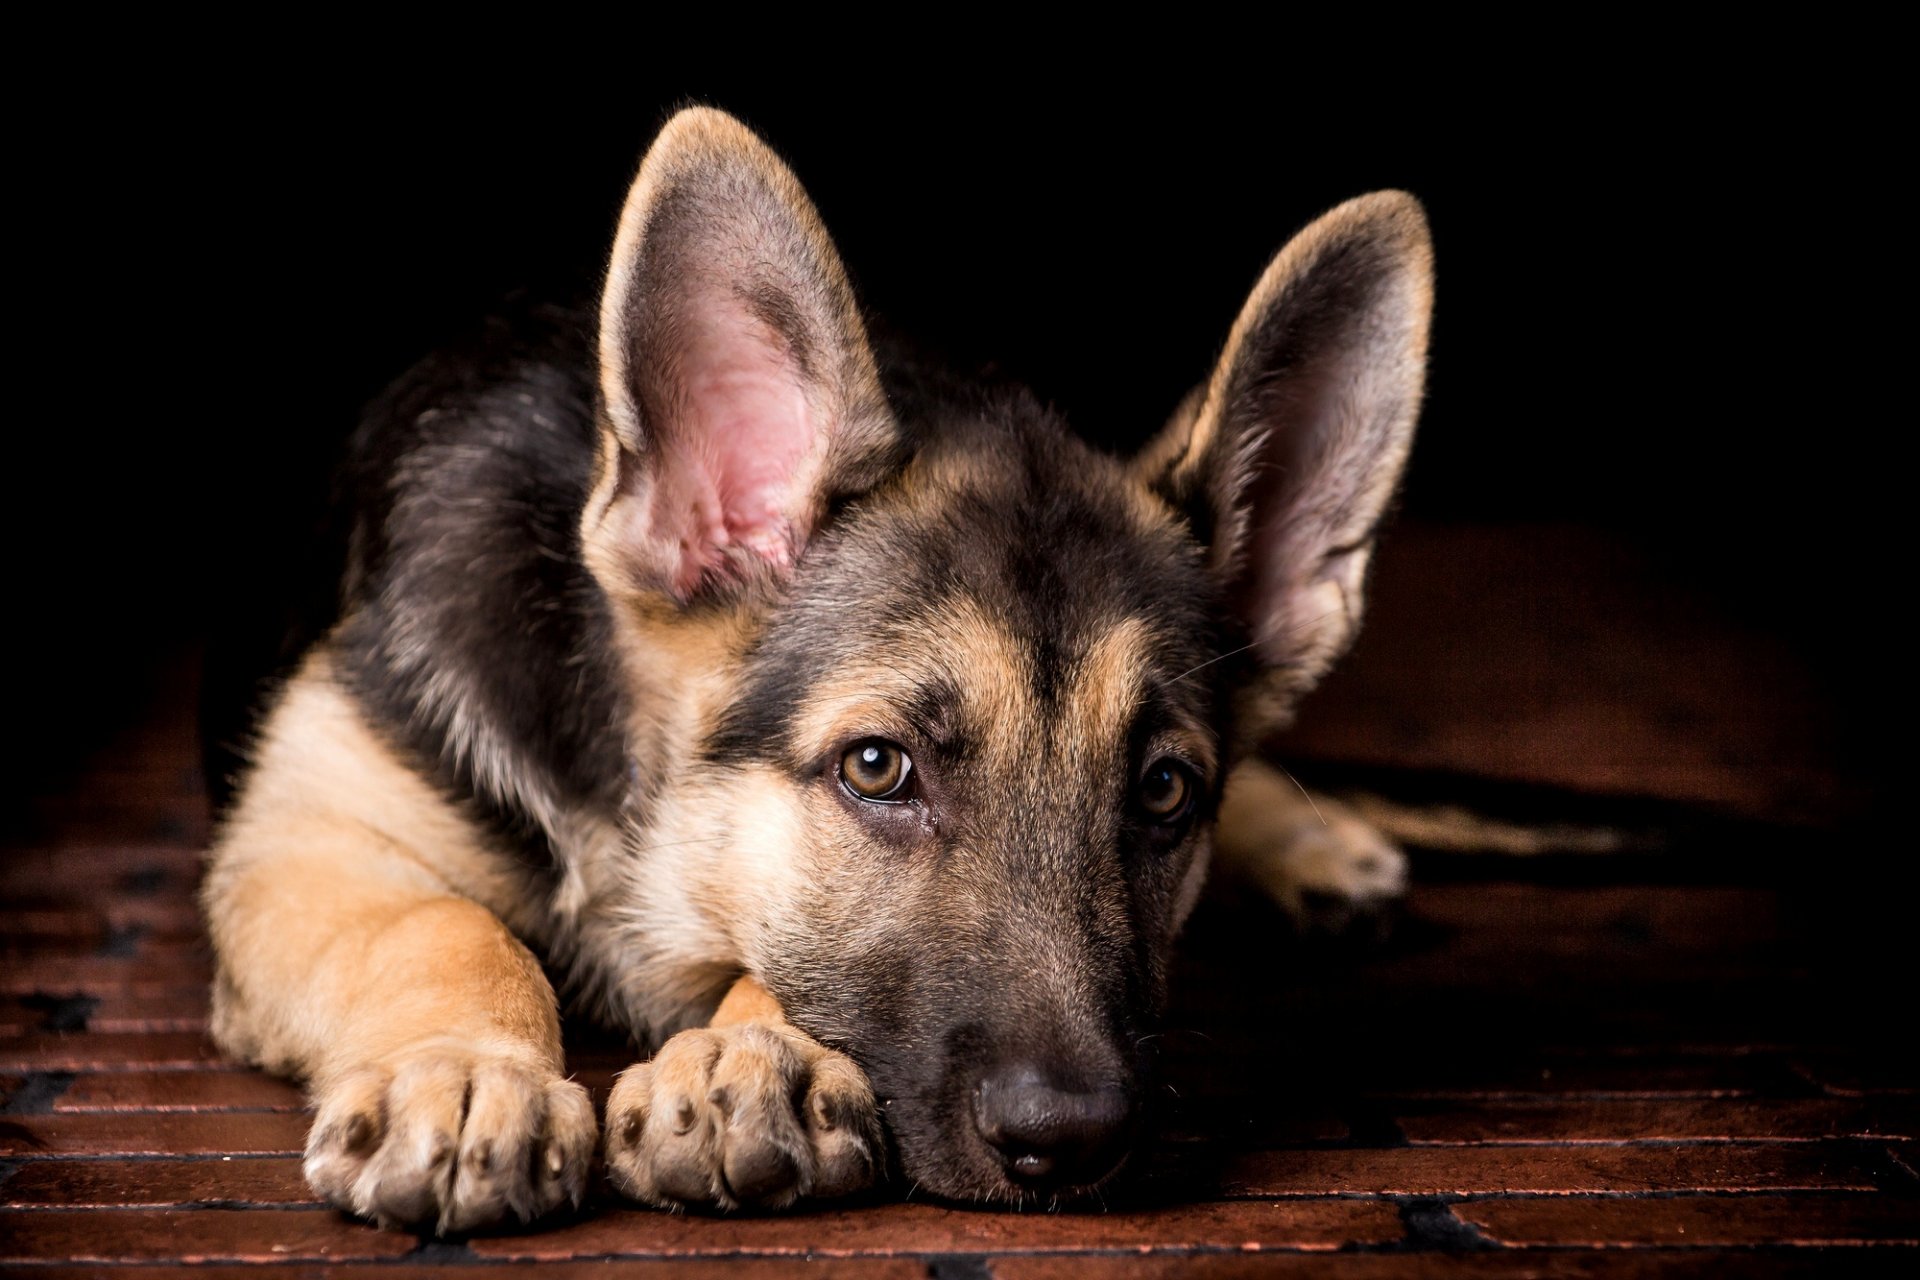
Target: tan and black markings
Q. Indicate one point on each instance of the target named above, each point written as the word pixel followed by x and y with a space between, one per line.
pixel 851 736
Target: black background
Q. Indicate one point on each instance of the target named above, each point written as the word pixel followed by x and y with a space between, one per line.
pixel 1650 301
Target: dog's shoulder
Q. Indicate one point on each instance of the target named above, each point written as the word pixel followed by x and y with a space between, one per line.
pixel 472 637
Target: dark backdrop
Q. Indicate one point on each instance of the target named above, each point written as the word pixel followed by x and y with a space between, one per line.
pixel 1647 317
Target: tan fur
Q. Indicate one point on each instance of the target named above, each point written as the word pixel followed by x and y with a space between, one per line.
pixel 746 1110
pixel 1100 706
pixel 1296 847
pixel 989 667
pixel 1106 692
pixel 1460 830
pixel 748 1001
pixel 1317 598
pixel 357 921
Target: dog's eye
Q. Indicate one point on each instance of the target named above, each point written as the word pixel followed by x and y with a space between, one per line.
pixel 876 770
pixel 1166 792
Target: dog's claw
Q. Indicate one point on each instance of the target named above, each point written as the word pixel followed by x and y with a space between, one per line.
pixel 761 1134
pixel 457 1149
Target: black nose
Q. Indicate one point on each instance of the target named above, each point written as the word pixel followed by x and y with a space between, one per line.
pixel 1047 1135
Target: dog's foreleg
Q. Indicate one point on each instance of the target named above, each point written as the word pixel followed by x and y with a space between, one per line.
pixel 747 1110
pixel 426 1032
pixel 1321 862
pixel 348 904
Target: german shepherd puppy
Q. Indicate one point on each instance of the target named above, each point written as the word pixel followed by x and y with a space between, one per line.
pixel 853 736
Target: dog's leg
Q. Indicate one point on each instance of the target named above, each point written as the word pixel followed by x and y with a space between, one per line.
pixel 1319 860
pixel 345 900
pixel 745 1111
pixel 426 1032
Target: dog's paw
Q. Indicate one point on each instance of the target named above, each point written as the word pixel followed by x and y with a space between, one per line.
pixel 1326 867
pixel 748 1115
pixel 1340 879
pixel 452 1140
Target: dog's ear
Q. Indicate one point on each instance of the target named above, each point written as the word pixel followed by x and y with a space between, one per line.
pixel 1286 458
pixel 739 394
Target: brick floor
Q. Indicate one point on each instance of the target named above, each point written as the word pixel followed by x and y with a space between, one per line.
pixel 1576 1066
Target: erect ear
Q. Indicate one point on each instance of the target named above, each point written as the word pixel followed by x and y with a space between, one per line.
pixel 1286 458
pixel 739 393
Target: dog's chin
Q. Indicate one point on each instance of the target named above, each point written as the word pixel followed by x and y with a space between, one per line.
pixel 963 1169
pixel 991 1188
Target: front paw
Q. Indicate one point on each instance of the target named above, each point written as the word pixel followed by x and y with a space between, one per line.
pixel 743 1115
pixel 453 1139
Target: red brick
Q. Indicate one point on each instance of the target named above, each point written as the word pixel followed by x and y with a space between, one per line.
pixel 1426 1171
pixel 130 805
pixel 156 1184
pixel 921 1228
pixel 1661 1119
pixel 1519 1264
pixel 1636 1075
pixel 179 1091
pixel 1555 656
pixel 86 923
pixel 194 1235
pixel 21 1014
pixel 64 973
pixel 1254 1123
pixel 1854 1073
pixel 72 925
pixel 81 873
pixel 177 959
pixel 185 1008
pixel 105 1050
pixel 651 1269
pixel 150 1008
pixel 166 917
pixel 1547 921
pixel 154 1133
pixel 1699 1220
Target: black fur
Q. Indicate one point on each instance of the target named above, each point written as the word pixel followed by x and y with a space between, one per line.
pixel 459 497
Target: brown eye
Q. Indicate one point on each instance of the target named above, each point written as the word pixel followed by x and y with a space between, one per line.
pixel 876 770
pixel 1166 791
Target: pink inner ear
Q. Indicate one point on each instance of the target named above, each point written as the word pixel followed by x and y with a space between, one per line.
pixel 736 457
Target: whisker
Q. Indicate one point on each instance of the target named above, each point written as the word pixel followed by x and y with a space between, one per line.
pixel 676 844
pixel 1210 661
pixel 1298 626
pixel 1303 791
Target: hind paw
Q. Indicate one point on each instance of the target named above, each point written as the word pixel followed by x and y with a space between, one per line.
pixel 748 1115
pixel 1324 865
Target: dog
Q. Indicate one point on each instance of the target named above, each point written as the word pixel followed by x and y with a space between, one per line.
pixel 849 733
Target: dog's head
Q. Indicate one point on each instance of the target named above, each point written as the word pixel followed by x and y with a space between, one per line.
pixel 985 680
